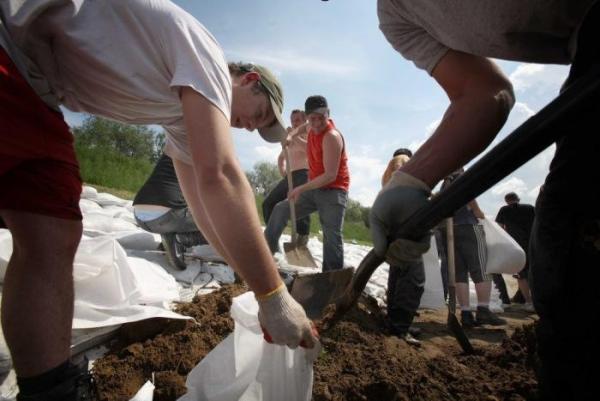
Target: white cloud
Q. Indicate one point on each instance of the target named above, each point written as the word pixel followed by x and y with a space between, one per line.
pixel 280 61
pixel 267 153
pixel 365 177
pixel 513 184
pixel 539 77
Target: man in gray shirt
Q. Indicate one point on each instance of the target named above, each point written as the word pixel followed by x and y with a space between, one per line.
pixel 452 41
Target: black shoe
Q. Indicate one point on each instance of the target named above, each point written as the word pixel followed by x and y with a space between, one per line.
pixel 467 320
pixel 174 251
pixel 191 239
pixel 409 339
pixel 486 316
pixel 414 331
pixel 77 386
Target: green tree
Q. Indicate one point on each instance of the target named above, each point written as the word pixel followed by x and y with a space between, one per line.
pixel 263 177
pixel 134 141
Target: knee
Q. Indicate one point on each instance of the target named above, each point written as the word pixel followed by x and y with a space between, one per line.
pixel 60 247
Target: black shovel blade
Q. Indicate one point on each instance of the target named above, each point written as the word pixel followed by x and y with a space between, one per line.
pixel 458 333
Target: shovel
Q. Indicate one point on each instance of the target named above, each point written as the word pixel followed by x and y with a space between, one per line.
pixel 524 143
pixel 453 324
pixel 295 254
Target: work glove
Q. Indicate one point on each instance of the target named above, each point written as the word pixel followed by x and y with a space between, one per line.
pixel 398 200
pixel 284 321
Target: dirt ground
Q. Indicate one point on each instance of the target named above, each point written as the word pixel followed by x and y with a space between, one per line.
pixel 360 361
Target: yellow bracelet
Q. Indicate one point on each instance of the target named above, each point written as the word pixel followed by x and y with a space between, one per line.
pixel 270 293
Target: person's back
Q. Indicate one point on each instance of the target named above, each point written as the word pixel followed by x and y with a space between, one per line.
pixel 518 221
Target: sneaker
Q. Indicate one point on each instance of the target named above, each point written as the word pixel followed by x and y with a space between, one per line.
pixel 191 239
pixel 174 251
pixel 78 385
pixel 409 339
pixel 486 316
pixel 467 320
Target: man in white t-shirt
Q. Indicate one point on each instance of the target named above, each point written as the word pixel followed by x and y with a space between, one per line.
pixel 141 62
pixel 453 41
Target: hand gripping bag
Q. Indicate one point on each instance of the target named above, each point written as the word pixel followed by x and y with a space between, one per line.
pixel 245 367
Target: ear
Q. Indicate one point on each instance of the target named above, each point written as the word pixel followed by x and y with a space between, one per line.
pixel 250 77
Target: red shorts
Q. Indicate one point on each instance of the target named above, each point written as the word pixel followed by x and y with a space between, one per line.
pixel 39 172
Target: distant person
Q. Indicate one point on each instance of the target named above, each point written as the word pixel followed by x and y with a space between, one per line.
pixel 470 259
pixel 297 136
pixel 327 188
pixel 138 62
pixel 160 208
pixel 517 219
pixel 406 280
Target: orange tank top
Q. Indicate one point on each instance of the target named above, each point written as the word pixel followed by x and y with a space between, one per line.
pixel 314 153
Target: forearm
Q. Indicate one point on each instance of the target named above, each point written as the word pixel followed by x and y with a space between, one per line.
pixel 240 231
pixel 318 182
pixel 467 128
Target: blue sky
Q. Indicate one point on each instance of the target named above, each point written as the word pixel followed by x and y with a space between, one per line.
pixel 379 101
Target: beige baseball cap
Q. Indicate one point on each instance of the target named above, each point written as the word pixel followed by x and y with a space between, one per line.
pixel 276 132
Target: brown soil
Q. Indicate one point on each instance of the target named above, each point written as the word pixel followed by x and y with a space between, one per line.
pixel 360 361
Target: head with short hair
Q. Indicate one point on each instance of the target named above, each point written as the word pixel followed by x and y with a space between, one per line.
pixel 511 197
pixel 317 111
pixel 257 101
pixel 297 118
pixel 402 151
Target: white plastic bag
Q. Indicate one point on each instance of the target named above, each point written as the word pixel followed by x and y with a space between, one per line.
pixel 504 255
pixel 246 368
pixel 433 295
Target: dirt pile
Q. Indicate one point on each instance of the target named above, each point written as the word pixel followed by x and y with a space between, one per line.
pixel 360 360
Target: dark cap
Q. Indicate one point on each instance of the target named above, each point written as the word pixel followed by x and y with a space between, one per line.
pixel 403 151
pixel 316 104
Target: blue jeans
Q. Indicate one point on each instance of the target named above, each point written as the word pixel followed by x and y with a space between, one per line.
pixel 331 205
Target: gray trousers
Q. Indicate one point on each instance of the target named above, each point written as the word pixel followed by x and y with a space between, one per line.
pixel 331 205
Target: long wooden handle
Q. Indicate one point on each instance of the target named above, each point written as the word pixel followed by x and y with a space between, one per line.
pixel 288 172
pixel 451 264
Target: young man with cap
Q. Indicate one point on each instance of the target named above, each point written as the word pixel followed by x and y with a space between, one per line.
pixel 296 147
pixel 454 42
pixel 138 61
pixel 517 219
pixel 327 188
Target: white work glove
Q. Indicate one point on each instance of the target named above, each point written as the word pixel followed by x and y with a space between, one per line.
pixel 284 321
pixel 397 201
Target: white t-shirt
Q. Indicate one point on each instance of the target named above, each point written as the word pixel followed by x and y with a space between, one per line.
pixel 542 31
pixel 124 60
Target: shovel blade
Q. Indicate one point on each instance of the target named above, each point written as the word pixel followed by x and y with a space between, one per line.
pixel 315 291
pixel 298 255
pixel 458 333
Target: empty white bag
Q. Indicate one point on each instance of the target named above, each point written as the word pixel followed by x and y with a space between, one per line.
pixel 246 368
pixel 504 255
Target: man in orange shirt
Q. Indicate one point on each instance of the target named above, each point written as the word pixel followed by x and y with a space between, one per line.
pixel 327 188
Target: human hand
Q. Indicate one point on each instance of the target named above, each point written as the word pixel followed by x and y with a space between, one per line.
pixel 397 201
pixel 295 193
pixel 284 321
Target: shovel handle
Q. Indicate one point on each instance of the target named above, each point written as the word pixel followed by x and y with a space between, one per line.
pixel 288 173
pixel 451 264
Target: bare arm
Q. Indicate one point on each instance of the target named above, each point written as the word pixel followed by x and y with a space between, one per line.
pixel 474 206
pixel 480 100
pixel 281 164
pixel 220 197
pixel 332 153
pixel 392 166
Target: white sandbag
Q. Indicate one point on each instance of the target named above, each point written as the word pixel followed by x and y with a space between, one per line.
pixel 88 192
pixel 145 393
pixel 139 240
pixel 504 255
pixel 102 221
pixel 108 291
pixel 244 367
pixel 88 205
pixel 433 296
pixel 105 199
pixel 5 251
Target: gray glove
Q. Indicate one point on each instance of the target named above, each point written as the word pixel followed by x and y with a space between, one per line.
pixel 399 199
